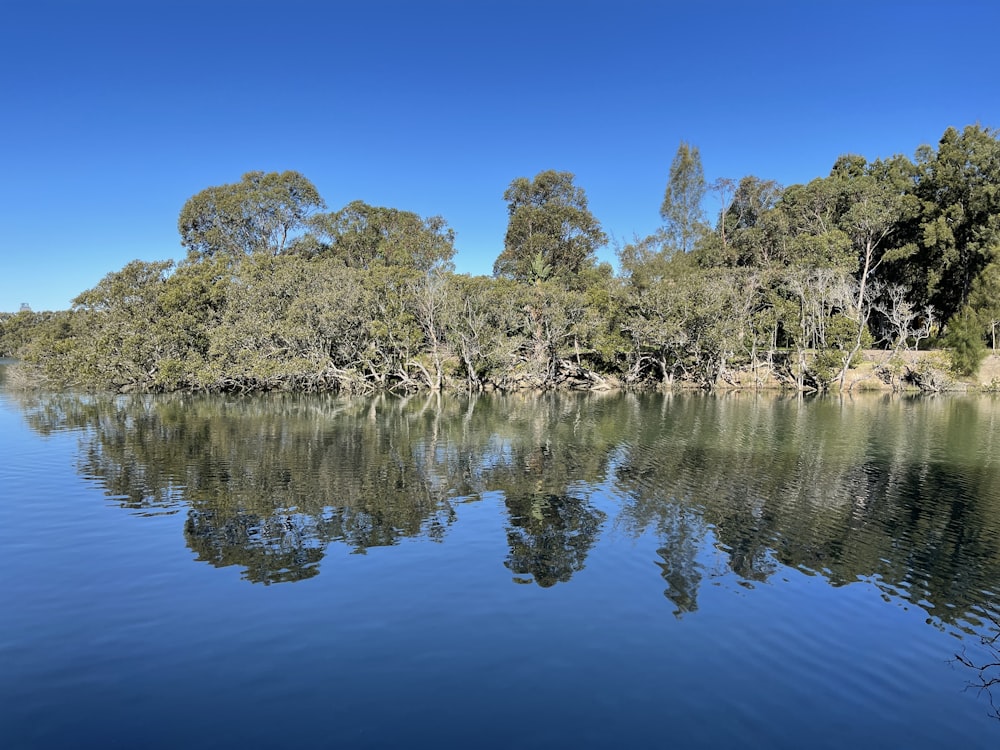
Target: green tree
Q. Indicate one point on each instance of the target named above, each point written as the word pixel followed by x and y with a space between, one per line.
pixel 965 341
pixel 757 234
pixel 725 188
pixel 550 230
pixel 873 211
pixel 364 236
pixel 16 329
pixel 44 339
pixel 681 209
pixel 191 305
pixel 253 348
pixel 985 299
pixel 118 350
pixel 814 237
pixel 259 214
pixel 645 261
pixel 482 321
pixel 290 323
pixel 955 234
pixel 686 322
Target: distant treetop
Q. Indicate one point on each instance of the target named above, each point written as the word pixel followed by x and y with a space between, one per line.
pixel 262 213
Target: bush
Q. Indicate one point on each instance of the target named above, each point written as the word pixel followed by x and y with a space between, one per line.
pixel 825 366
pixel 965 342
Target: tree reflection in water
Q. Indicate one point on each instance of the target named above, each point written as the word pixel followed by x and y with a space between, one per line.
pixel 902 494
pixel 987 668
pixel 275 549
pixel 684 530
pixel 550 536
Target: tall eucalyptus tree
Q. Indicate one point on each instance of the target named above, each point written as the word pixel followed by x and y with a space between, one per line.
pixel 551 232
pixel 262 213
pixel 681 210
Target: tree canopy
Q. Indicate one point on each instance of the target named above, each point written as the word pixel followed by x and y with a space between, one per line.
pixel 363 236
pixel 551 232
pixel 260 213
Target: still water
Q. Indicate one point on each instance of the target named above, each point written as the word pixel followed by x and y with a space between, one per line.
pixel 546 571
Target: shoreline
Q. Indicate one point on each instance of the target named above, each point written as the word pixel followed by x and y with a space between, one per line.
pixel 878 371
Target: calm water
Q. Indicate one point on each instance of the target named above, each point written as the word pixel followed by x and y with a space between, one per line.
pixel 558 571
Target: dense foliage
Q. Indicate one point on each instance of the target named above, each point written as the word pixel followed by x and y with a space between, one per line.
pixel 789 287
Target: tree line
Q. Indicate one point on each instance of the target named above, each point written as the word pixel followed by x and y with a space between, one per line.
pixel 784 285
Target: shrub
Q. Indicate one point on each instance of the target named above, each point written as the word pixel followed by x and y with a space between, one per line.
pixel 965 343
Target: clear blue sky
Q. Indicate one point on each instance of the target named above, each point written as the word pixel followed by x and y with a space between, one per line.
pixel 115 113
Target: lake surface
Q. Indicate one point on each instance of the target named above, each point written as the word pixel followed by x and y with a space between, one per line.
pixel 554 571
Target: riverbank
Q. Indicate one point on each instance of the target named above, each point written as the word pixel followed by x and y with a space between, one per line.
pixel 920 371
pixel 880 370
pixel 874 370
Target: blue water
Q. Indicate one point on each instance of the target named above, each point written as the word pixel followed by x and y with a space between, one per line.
pixel 115 633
